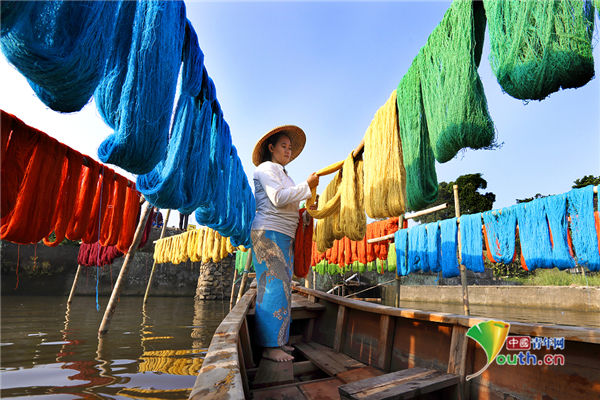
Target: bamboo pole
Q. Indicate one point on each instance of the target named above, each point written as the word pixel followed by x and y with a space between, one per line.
pixel 74 284
pixel 463 272
pixel 397 278
pixel 112 303
pixel 245 276
pixel 232 297
pixel 162 234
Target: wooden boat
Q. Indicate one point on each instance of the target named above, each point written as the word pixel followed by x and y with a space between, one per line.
pixel 352 349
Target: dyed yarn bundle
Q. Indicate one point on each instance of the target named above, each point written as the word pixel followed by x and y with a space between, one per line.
pixel 537 47
pixel 471 242
pixel 59 46
pixel 47 188
pixel 384 193
pixel 534 235
pixel 91 255
pixel 419 161
pixel 586 238
pixel 198 245
pixel 499 230
pixel 453 96
pixel 303 246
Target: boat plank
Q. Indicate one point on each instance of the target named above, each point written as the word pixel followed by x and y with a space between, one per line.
pixel 322 390
pixel 405 384
pixel 358 374
pixel 328 360
pixel 290 392
pixel 271 373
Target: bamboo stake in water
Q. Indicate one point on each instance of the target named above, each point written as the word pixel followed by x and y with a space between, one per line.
pixel 137 238
pixel 232 297
pixel 463 272
pixel 162 234
pixel 74 284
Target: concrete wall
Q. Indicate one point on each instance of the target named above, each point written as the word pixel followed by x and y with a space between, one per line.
pixel 550 297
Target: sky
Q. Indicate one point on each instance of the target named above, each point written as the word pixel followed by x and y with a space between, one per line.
pixel 327 67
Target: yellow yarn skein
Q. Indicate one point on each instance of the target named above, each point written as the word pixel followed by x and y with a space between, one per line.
pixel 352 219
pixel 384 173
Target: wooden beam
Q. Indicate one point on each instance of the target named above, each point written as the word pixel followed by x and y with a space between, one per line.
pixel 463 272
pixel 339 328
pixel 386 342
pixel 74 284
pixel 162 234
pixel 112 303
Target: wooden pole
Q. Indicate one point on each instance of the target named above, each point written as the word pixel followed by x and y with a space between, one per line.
pixel 162 234
pixel 231 299
pixel 398 281
pixel 463 272
pixel 112 303
pixel 74 284
pixel 245 276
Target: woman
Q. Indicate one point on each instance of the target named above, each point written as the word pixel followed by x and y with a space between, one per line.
pixel 273 231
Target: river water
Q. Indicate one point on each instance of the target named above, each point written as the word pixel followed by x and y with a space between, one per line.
pixel 51 352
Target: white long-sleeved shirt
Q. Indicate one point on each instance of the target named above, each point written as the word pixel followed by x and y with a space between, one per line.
pixel 277 199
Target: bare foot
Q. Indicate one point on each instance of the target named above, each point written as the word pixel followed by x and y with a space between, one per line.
pixel 286 348
pixel 276 354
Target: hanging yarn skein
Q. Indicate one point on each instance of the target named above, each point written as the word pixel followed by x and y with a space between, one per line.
pixel 434 246
pixel 500 226
pixel 352 209
pixel 537 47
pixel 453 96
pixel 401 242
pixel 59 46
pixel 419 161
pixel 583 231
pixel 136 96
pixel 472 242
pixel 556 212
pixel 449 259
pixel 534 234
pixel 385 193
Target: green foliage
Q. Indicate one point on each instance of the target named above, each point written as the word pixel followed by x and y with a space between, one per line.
pixel 586 181
pixel 555 277
pixel 471 200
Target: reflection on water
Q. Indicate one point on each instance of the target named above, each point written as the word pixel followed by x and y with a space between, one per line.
pixel 512 313
pixel 52 351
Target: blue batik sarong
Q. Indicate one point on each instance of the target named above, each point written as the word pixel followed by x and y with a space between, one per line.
pixel 273 257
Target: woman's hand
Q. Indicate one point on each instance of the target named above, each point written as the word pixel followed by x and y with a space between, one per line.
pixel 313 180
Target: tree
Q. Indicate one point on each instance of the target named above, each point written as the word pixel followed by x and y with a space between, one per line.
pixel 585 181
pixel 471 200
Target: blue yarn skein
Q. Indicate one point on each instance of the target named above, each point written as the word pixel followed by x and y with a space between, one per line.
pixel 417 249
pixel 143 104
pixel 583 232
pixel 449 259
pixel 556 212
pixel 401 242
pixel 59 46
pixel 434 246
pixel 472 242
pixel 501 229
pixel 162 186
pixel 534 234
